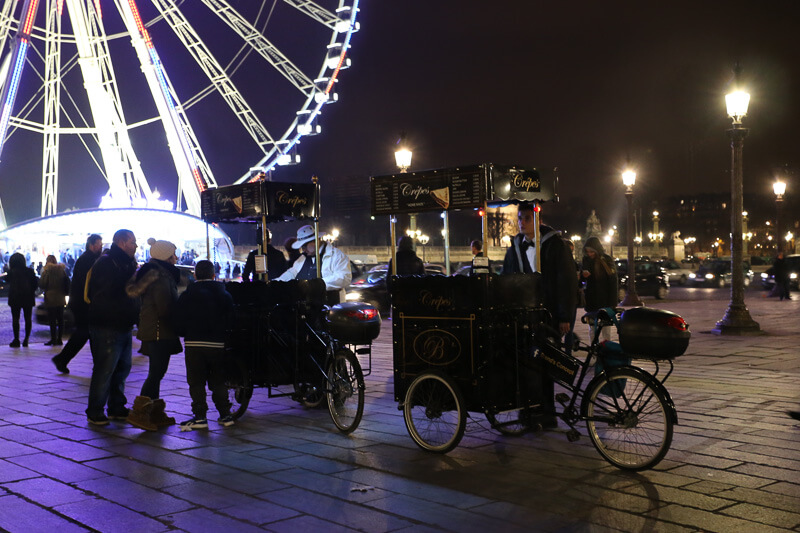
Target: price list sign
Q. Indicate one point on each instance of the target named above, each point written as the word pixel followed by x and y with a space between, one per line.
pixel 232 203
pixel 432 190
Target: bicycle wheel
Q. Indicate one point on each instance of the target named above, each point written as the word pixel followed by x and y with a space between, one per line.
pixel 628 419
pixel 309 395
pixel 240 390
pixel 510 423
pixel 434 413
pixel 345 391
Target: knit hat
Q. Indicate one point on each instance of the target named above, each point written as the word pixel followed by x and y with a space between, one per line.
pixel 161 250
pixel 304 235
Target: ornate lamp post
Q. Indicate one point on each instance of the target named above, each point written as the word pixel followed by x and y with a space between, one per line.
pixel 737 319
pixel 423 240
pixel 631 298
pixel 779 188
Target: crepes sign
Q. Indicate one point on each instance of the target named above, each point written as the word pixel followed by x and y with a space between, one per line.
pixel 232 203
pixel 429 190
pixel 252 201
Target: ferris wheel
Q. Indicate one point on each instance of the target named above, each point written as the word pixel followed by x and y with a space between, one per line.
pixel 154 91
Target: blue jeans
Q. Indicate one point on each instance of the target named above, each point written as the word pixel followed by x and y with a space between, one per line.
pixel 111 355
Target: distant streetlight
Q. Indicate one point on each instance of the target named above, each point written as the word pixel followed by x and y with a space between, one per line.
pixel 779 188
pixel 423 240
pixel 631 298
pixel 737 319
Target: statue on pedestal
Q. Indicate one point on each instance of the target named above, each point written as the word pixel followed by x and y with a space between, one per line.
pixel 593 228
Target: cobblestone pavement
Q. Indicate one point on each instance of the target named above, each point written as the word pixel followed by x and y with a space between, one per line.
pixel 734 464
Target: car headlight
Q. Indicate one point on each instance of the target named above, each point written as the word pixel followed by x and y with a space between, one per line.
pixel 793 275
pixel 352 296
pixel 692 275
pixel 709 276
pixel 764 275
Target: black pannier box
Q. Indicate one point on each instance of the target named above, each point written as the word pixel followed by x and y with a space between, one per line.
pixel 354 323
pixel 653 333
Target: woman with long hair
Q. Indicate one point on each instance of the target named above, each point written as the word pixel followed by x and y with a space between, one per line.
pixel 22 283
pixel 600 278
pixel 55 284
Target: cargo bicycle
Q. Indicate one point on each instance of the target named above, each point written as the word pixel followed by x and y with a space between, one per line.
pixel 492 358
pixel 288 337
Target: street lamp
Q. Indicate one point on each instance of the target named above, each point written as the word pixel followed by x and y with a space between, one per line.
pixel 423 240
pixel 737 319
pixel 631 298
pixel 779 188
pixel 402 156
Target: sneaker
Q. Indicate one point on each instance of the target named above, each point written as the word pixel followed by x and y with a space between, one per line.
pixel 226 421
pixel 100 420
pixel 194 423
pixel 61 367
pixel 14 344
pixel 120 415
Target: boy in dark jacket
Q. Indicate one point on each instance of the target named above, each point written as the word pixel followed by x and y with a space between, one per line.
pixel 204 314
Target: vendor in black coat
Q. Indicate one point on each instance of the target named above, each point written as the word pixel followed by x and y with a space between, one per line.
pixel 408 263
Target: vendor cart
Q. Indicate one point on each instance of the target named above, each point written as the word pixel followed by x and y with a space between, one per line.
pixel 482 343
pixel 285 338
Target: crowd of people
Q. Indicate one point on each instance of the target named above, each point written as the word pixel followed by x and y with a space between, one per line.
pixel 110 293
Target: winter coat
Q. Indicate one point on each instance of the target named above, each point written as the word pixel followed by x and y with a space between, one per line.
pixel 22 283
pixel 559 284
pixel 55 284
pixel 601 288
pixel 156 286
pixel 408 264
pixel 335 269
pixel 204 314
pixel 109 305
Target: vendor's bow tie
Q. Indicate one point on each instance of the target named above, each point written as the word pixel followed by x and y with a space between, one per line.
pixel 524 245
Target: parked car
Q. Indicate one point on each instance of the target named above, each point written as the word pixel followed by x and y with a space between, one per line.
pixel 371 287
pixel 495 267
pixel 717 273
pixel 678 272
pixel 760 264
pixel 651 279
pixel 793 265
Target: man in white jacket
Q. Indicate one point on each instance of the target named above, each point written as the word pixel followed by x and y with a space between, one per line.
pixel 335 265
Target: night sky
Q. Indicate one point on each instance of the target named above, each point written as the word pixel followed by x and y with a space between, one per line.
pixel 579 85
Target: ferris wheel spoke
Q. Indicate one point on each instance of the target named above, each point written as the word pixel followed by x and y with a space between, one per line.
pixel 254 38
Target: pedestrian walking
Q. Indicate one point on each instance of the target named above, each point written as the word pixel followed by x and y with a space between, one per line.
pixel 599 275
pixel 156 286
pixel 22 283
pixel 204 318
pixel 112 314
pixel 55 284
pixel 781 270
pixel 78 306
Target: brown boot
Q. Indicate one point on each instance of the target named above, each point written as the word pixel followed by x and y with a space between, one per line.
pixel 140 414
pixel 158 416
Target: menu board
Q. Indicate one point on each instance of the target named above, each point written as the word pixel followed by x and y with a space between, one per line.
pixel 232 203
pixel 249 202
pixel 430 190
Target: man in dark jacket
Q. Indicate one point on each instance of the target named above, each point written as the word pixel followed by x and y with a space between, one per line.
pixel 112 314
pixel 559 282
pixel 408 262
pixel 78 306
pixel 203 316
pixel 276 261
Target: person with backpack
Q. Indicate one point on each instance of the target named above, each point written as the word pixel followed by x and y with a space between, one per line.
pixel 55 284
pixel 22 283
